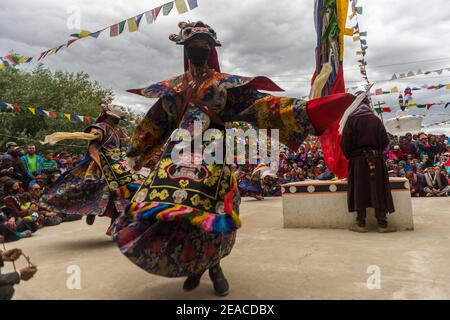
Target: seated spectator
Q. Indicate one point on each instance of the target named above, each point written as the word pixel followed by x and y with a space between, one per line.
pixel 407 146
pixel 63 166
pixel 416 182
pixel 53 178
pixel 395 154
pixel 46 218
pixel 33 162
pixel 48 164
pixel 13 166
pixel 424 163
pixel 8 280
pixel 7 234
pixel 18 219
pixel 422 145
pixel 436 184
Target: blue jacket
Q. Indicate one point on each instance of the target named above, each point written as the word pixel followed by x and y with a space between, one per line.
pixel 39 161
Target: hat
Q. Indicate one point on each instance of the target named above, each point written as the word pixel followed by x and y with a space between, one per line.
pixel 11 144
pixel 116 111
pixel 407 168
pixel 62 161
pixel 32 183
pixel 194 30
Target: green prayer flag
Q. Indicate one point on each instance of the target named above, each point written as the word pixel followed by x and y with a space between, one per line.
pixel 122 26
pixel 167 8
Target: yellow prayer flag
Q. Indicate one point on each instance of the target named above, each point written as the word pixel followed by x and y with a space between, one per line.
pixel 356 38
pixel 67 116
pixel 181 6
pixel 32 110
pixel 22 59
pixel 446 86
pixel 348 32
pixel 412 104
pixel 2 66
pixel 51 52
pixel 394 89
pixel 132 25
pixel 84 34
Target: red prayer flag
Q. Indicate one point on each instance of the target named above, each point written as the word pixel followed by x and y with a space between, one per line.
pixel 87 119
pixel 71 41
pixel 379 91
pixel 114 30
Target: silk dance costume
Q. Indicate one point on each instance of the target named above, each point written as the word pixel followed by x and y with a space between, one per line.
pixel 183 219
pixel 100 184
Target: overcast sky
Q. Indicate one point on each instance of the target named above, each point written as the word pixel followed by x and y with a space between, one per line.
pixel 259 37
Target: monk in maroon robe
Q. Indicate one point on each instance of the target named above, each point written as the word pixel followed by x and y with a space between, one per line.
pixel 363 140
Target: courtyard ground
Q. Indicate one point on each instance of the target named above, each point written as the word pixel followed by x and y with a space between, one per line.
pixel 267 262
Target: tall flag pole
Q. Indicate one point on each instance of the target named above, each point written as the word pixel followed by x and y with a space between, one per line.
pixel 330 17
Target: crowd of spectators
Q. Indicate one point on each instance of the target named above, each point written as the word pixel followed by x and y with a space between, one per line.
pixel 423 159
pixel 306 164
pixel 24 176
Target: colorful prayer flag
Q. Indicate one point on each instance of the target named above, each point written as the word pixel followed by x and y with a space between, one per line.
pixel 167 8
pixel 156 12
pixel 138 19
pixel 82 34
pixel 181 6
pixel 96 34
pixel 192 4
pixel 114 30
pixel 32 110
pixel 121 26
pixel 394 89
pixel 71 41
pixel 132 25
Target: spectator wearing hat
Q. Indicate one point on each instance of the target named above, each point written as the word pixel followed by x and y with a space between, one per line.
pixel 13 166
pixel 63 166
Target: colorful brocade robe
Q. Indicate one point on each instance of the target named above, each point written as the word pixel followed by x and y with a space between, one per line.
pixel 205 195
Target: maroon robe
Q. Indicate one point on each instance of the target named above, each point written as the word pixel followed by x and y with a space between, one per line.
pixel 365 131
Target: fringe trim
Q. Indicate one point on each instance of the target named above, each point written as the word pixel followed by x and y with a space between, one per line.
pixel 209 222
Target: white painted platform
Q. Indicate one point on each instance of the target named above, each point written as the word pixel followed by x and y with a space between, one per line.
pixel 323 204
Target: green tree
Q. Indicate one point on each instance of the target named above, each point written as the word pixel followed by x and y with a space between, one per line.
pixel 61 92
